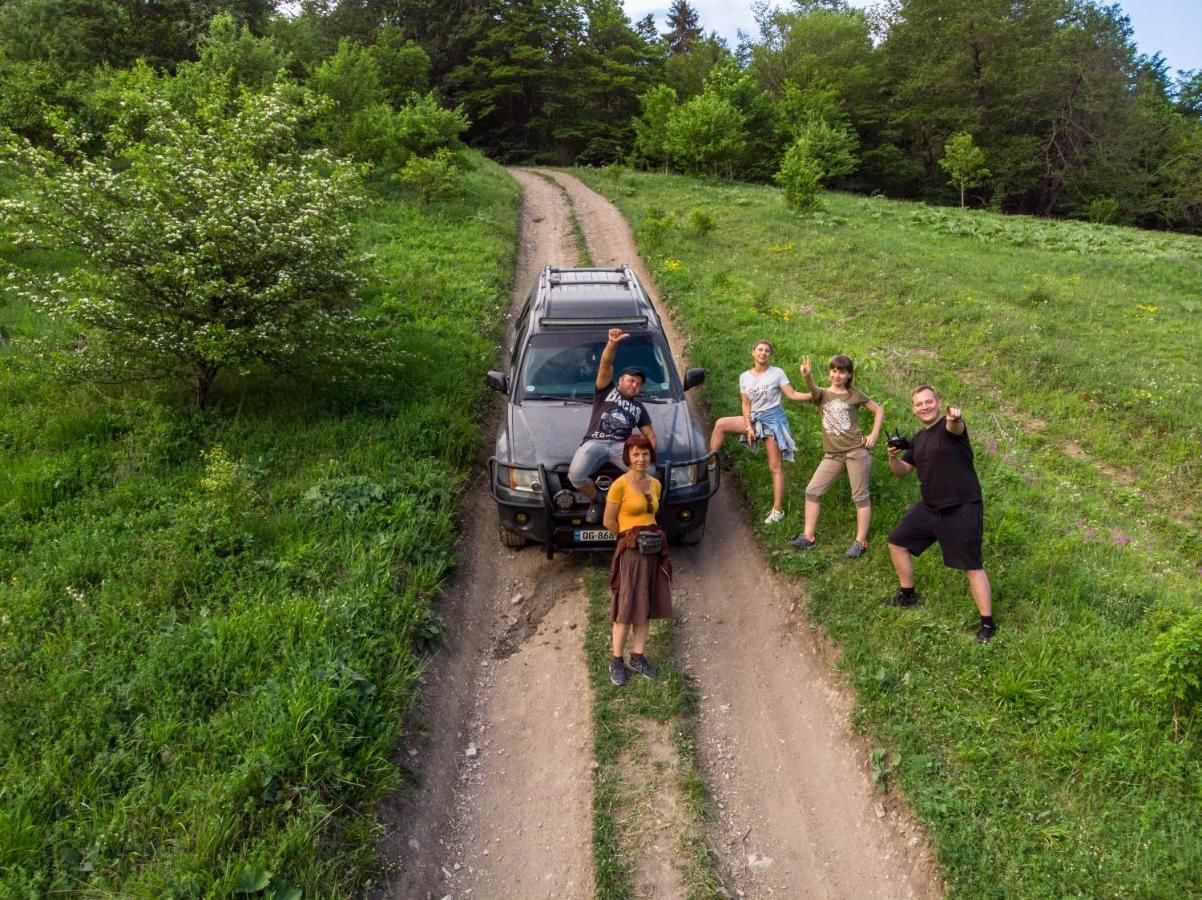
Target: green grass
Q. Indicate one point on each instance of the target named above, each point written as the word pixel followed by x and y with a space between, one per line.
pixel 1064 758
pixel 624 783
pixel 211 625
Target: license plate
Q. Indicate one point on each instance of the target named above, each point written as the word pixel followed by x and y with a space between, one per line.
pixel 592 534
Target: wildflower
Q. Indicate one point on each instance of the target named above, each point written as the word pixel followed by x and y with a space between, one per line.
pixel 1120 538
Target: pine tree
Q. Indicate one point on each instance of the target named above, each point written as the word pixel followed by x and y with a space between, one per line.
pixel 684 28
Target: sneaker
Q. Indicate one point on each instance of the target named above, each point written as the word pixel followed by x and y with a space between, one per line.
pixel 856 550
pixel 711 461
pixel 900 599
pixel 775 516
pixel 641 665
pixel 801 542
pixel 617 672
pixel 985 633
pixel 593 514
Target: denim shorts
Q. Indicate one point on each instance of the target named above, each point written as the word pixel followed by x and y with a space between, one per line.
pixel 772 423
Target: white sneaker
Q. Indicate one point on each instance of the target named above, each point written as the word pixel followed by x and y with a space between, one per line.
pixel 775 516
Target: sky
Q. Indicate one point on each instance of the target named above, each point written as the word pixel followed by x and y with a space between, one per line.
pixel 1172 27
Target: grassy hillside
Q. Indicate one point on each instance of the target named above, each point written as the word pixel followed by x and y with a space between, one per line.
pixel 1062 759
pixel 209 624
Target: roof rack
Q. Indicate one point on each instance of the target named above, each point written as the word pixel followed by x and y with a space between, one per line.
pixel 555 277
pixel 612 321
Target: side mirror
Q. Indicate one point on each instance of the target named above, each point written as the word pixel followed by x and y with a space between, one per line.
pixel 498 381
pixel 693 377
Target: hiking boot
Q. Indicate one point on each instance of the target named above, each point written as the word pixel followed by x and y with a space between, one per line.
pixel 985 633
pixel 900 599
pixel 641 665
pixel 593 514
pixel 856 550
pixel 775 516
pixel 801 542
pixel 617 671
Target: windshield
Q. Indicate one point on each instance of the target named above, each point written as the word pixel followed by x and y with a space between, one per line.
pixel 564 366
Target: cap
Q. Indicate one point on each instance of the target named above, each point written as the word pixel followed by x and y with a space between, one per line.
pixel 634 370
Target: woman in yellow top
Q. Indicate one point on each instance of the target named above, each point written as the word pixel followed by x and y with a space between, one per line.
pixel 640 582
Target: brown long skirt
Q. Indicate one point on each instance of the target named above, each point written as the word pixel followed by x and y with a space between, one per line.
pixel 643 590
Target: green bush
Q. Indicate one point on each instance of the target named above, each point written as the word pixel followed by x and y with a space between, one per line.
pixel 701 222
pixel 1174 665
pixel 213 241
pixel 431 178
pixel 1102 210
pixel 800 177
pixel 654 229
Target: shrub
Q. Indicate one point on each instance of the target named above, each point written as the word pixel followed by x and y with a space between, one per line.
pixel 1174 665
pixel 800 177
pixel 706 135
pixel 1102 210
pixel 213 241
pixel 701 222
pixel 654 228
pixel 431 177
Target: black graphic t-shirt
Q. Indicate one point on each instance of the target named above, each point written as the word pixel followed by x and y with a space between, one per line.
pixel 614 417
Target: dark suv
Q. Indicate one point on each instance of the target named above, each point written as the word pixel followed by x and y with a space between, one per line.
pixel 552 372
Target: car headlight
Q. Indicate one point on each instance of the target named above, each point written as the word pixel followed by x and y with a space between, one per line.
pixel 682 477
pixel 519 479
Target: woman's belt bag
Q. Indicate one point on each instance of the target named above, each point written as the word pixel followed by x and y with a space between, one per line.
pixel 649 542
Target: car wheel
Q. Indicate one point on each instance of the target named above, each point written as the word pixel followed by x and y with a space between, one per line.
pixel 510 539
pixel 693 535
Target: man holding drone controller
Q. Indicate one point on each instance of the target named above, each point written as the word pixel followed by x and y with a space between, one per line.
pixel 951 511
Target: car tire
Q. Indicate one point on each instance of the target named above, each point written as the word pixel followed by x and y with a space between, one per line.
pixel 511 539
pixel 693 535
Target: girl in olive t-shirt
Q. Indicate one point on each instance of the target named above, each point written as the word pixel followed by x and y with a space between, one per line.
pixel 844 448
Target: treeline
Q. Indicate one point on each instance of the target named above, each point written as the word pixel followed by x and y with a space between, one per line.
pixel 1068 118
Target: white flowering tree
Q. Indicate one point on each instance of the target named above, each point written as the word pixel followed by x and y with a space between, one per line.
pixel 212 240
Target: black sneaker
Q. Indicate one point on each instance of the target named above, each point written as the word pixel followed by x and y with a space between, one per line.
pixel 641 665
pixel 593 514
pixel 617 671
pixel 801 542
pixel 985 633
pixel 905 601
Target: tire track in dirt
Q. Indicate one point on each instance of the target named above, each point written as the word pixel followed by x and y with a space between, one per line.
pixel 797 815
pixel 504 796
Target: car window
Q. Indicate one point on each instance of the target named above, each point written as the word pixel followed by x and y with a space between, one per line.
pixel 564 366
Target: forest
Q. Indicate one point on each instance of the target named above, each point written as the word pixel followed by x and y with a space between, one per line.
pixel 1042 107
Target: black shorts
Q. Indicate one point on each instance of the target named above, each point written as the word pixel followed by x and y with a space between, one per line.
pixel 958 529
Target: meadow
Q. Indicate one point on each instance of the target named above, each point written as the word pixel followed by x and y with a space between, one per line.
pixel 211 624
pixel 1062 759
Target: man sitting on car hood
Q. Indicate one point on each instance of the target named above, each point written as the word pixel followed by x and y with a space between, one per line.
pixel 616 414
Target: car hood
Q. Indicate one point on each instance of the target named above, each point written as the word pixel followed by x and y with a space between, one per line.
pixel 548 432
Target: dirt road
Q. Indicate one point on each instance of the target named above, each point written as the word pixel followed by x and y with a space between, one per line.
pixel 503 806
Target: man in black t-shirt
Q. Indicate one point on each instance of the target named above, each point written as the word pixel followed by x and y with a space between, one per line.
pixel 616 414
pixel 950 511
